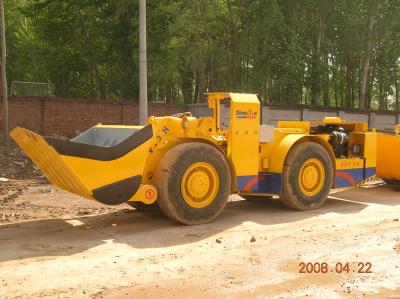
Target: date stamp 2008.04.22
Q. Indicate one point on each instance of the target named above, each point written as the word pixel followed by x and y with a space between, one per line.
pixel 339 267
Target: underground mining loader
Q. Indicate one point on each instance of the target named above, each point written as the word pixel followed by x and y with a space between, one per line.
pixel 189 166
pixel 388 156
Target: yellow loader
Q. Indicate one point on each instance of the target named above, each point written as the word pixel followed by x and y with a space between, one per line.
pixel 388 157
pixel 189 166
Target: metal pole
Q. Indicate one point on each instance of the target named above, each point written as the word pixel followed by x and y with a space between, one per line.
pixel 142 64
pixel 3 75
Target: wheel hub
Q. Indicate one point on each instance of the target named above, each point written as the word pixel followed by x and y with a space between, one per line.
pixel 199 185
pixel 311 177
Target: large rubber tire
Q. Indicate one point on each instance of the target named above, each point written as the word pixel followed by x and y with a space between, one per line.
pixel 169 176
pixel 140 206
pixel 292 195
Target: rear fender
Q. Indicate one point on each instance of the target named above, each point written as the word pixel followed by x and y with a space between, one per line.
pixel 283 147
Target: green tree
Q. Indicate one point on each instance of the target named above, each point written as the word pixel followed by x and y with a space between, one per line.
pixel 316 52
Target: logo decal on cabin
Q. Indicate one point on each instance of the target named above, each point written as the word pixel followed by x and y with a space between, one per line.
pixel 250 114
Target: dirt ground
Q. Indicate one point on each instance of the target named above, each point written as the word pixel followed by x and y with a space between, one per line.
pixel 56 245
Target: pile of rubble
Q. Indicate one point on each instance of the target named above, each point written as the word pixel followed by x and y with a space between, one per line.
pixel 9 191
pixel 15 165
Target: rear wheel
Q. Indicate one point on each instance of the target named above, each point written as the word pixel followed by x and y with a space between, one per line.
pixel 194 183
pixel 307 177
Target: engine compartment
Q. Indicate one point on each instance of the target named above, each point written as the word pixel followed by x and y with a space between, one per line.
pixel 341 139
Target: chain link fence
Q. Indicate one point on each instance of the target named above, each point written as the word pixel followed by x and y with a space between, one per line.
pixel 31 89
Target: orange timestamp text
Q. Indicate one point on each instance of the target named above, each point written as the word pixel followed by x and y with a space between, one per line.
pixel 323 268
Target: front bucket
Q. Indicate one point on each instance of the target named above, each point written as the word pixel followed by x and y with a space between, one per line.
pixel 52 165
pixel 105 163
pixel 388 157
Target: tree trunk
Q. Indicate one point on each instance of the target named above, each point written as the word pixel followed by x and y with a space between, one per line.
pixel 397 87
pixel 335 87
pixel 187 87
pixel 316 69
pixel 366 60
pixel 168 93
pixel 326 81
pixel 201 83
pixel 342 100
pixel 381 101
pixel 371 83
pixel 349 78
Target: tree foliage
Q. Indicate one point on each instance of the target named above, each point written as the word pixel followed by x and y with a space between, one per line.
pixel 318 52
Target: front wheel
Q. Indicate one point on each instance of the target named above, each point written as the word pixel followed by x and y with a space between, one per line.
pixel 307 177
pixel 194 183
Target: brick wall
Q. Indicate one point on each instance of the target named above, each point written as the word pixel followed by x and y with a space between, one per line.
pixel 63 117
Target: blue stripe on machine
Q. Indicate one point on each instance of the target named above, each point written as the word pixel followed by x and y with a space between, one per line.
pixel 370 172
pixel 270 183
pixel 352 177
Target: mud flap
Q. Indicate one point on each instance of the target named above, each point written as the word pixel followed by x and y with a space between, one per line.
pixel 119 192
